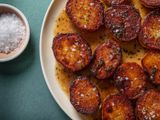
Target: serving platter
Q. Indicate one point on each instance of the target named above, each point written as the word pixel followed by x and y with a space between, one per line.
pixel 48 61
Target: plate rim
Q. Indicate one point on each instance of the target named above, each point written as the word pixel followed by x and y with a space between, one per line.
pixel 41 60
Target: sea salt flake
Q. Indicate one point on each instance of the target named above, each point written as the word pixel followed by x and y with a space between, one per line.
pixel 12 32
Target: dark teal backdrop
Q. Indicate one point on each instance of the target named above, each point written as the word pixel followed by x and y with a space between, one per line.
pixel 23 91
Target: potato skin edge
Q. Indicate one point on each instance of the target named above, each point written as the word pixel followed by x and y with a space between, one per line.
pixel 120 3
pixel 139 103
pixel 83 110
pixel 59 36
pixel 143 2
pixel 133 94
pixel 147 70
pixel 113 42
pixel 111 31
pixel 122 100
pixel 99 24
pixel 146 42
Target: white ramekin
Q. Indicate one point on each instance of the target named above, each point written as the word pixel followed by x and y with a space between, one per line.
pixel 5 8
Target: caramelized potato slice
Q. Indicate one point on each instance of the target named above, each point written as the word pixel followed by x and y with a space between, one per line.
pixel 85 14
pixel 151 3
pixel 106 59
pixel 123 21
pixel 115 2
pixel 148 106
pixel 117 107
pixel 151 63
pixel 130 80
pixel 149 36
pixel 84 96
pixel 72 51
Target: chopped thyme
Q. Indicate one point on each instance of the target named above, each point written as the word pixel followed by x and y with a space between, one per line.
pixel 109 68
pixel 125 14
pixel 100 63
pixel 153 72
pixel 98 66
pixel 129 52
pixel 118 30
pixel 115 50
pixel 102 37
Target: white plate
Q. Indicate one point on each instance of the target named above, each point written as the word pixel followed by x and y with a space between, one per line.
pixel 48 61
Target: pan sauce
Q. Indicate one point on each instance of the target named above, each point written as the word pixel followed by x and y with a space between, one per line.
pixel 132 52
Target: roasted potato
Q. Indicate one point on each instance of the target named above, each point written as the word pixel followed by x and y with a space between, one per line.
pixel 148 106
pixel 149 36
pixel 85 14
pixel 115 2
pixel 151 3
pixel 72 51
pixel 130 80
pixel 117 107
pixel 151 64
pixel 84 96
pixel 123 22
pixel 107 57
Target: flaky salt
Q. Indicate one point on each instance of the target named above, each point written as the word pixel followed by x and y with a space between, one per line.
pixel 12 32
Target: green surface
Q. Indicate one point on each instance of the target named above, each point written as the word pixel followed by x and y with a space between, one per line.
pixel 23 92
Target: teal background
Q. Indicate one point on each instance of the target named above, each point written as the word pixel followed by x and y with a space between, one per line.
pixel 23 92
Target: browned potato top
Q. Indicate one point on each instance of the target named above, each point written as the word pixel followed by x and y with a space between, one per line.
pixel 148 106
pixel 151 3
pixel 84 96
pixel 115 2
pixel 149 36
pixel 130 80
pixel 123 21
pixel 151 63
pixel 85 14
pixel 72 51
pixel 117 107
pixel 107 57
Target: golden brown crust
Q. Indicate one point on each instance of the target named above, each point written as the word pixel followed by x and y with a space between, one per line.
pixel 148 106
pixel 84 96
pixel 86 15
pixel 72 51
pixel 151 64
pixel 115 2
pixel 130 80
pixel 151 3
pixel 149 36
pixel 106 59
pixel 117 107
pixel 123 22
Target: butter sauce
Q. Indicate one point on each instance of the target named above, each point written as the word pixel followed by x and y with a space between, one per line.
pixel 132 52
